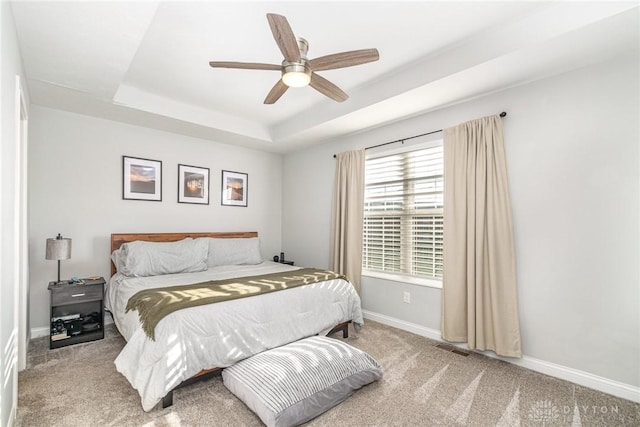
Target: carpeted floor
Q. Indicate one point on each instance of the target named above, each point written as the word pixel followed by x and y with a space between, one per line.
pixel 423 385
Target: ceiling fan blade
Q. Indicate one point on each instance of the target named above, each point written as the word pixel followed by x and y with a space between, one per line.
pixel 344 59
pixel 276 92
pixel 285 39
pixel 327 88
pixel 245 65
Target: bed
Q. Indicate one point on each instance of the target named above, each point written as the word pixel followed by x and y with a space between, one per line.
pixel 203 339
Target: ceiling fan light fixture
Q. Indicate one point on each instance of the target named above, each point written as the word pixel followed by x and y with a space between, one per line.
pixel 296 75
pixel 296 69
pixel 296 79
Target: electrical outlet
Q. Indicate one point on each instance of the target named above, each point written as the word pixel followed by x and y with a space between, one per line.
pixel 406 298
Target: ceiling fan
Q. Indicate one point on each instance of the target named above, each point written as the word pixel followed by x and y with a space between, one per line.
pixel 296 69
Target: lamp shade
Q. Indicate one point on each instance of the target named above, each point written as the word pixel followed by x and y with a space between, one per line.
pixel 58 248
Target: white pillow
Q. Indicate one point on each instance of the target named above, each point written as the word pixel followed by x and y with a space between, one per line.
pixel 142 259
pixel 241 251
pixel 293 384
pixel 116 257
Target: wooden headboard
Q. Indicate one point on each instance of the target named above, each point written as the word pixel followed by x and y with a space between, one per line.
pixel 118 239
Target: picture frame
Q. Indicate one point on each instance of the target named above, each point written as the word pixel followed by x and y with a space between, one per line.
pixel 234 188
pixel 141 179
pixel 193 184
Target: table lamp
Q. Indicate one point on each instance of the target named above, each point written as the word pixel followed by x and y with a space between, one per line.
pixel 58 249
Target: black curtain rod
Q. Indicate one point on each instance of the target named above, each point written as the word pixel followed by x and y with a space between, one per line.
pixel 503 114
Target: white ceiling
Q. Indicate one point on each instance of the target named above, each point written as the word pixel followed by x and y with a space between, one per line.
pixel 147 62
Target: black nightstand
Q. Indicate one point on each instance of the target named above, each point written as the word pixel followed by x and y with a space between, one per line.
pixel 77 312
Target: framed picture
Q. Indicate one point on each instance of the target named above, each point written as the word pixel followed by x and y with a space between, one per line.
pixel 141 179
pixel 234 188
pixel 193 184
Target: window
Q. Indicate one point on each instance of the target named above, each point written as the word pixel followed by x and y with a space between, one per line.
pixel 403 207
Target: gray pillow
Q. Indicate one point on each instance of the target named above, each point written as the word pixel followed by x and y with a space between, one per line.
pixel 293 384
pixel 140 259
pixel 241 251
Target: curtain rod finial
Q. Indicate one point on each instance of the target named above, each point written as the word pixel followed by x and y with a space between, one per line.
pixel 503 114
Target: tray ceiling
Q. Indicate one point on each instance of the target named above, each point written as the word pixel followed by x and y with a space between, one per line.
pixel 147 62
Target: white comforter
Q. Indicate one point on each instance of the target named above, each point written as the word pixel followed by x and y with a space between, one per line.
pixel 218 335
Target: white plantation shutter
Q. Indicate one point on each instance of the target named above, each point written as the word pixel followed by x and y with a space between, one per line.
pixel 403 229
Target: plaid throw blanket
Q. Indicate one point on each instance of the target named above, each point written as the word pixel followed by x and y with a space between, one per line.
pixel 154 304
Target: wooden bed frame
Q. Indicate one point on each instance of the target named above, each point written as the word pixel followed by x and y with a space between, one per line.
pixel 118 239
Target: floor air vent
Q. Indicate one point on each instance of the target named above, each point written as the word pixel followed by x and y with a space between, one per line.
pixel 452 349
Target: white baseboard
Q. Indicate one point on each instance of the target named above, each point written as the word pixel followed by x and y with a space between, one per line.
pixel 40 332
pixel 605 385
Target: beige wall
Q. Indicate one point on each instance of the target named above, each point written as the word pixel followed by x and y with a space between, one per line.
pixel 573 160
pixel 75 188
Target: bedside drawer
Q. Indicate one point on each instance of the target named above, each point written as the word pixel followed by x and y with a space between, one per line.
pixel 76 294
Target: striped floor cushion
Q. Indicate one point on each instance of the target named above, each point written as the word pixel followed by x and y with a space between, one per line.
pixel 292 384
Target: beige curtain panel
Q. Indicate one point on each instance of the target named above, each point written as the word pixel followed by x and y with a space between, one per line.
pixel 479 304
pixel 347 216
